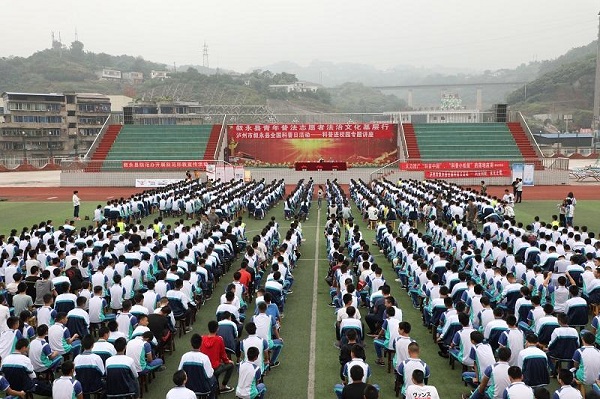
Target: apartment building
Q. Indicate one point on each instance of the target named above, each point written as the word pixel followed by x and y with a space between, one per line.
pixel 38 125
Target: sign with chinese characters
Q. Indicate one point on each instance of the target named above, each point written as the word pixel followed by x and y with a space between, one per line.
pixel 312 131
pixel 455 165
pixel 164 165
pixel 459 174
pixel 151 183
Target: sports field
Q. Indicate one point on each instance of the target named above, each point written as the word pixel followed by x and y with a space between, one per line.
pixel 298 362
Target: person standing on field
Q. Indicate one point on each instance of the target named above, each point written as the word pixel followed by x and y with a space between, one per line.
pixel 320 196
pixel 519 189
pixel 76 203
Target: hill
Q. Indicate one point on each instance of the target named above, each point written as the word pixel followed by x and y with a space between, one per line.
pixel 63 69
pixel 565 86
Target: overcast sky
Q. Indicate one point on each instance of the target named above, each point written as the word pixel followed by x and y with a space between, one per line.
pixel 242 34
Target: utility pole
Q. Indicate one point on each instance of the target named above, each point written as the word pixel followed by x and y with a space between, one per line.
pixel 596 121
pixel 205 56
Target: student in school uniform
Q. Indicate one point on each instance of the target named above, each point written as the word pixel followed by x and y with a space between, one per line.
pixel 60 339
pixel 517 388
pixel 41 355
pixel 67 387
pixel 121 374
pixel 180 391
pixel 250 374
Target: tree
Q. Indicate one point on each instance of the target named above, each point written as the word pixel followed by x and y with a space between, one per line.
pixel 77 49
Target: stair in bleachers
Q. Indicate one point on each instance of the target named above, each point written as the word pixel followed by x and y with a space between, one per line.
pixel 103 148
pixel 213 141
pixel 524 144
pixel 412 146
pixel 466 141
pixel 158 143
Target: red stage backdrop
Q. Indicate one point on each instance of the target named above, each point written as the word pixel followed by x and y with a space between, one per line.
pixel 358 144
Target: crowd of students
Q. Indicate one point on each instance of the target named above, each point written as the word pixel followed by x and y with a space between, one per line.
pixel 103 304
pixel 504 301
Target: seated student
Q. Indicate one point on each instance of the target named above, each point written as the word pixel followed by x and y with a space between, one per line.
pixel 482 355
pixel 460 348
pixel 494 379
pixel 18 370
pixel 140 350
pixel 114 332
pixel 214 347
pixel 586 360
pixel 407 367
pixel 66 387
pixel 42 357
pixel 102 347
pixel 199 368
pixel 89 367
pixel 401 343
pixel 78 319
pixel 125 320
pixel 357 354
pixel 513 339
pixel 161 327
pixel 21 301
pixel 566 390
pixel 250 374
pixel 25 321
pixel 387 335
pixel 356 388
pixel 142 327
pixel 121 374
pixel 346 350
pixel 536 372
pixel 46 314
pixel 517 388
pixel 180 303
pixel 418 389
pixel 97 307
pixel 60 339
pixel 66 301
pixel 6 388
pixel 180 391
pixel 9 337
pixel 265 328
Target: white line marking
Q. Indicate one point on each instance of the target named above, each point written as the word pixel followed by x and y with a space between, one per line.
pixel 313 321
pixel 111 197
pixel 52 198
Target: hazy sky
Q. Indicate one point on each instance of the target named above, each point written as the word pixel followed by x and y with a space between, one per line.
pixel 241 34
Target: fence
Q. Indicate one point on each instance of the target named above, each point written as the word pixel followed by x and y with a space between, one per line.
pixel 20 163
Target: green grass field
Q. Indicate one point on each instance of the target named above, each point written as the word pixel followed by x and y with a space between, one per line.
pixel 290 379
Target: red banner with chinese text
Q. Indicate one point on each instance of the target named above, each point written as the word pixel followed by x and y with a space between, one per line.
pixel 201 165
pixel 312 131
pixel 455 165
pixel 458 174
pixel 357 144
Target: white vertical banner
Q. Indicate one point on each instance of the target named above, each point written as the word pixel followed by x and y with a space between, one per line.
pixel 210 171
pixel 238 172
pixel 228 172
pixel 517 171
pixel 220 172
pixel 528 174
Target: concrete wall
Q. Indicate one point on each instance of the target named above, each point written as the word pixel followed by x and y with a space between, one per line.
pixel 127 179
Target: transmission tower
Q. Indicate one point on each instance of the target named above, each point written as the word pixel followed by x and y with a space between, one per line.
pixel 205 55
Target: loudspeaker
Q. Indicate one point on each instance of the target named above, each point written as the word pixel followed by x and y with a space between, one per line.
pixel 500 111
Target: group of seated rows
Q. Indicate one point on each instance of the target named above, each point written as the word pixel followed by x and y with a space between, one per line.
pixel 510 295
pixel 134 288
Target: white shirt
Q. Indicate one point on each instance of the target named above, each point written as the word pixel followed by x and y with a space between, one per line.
pixel 424 391
pixel 180 393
